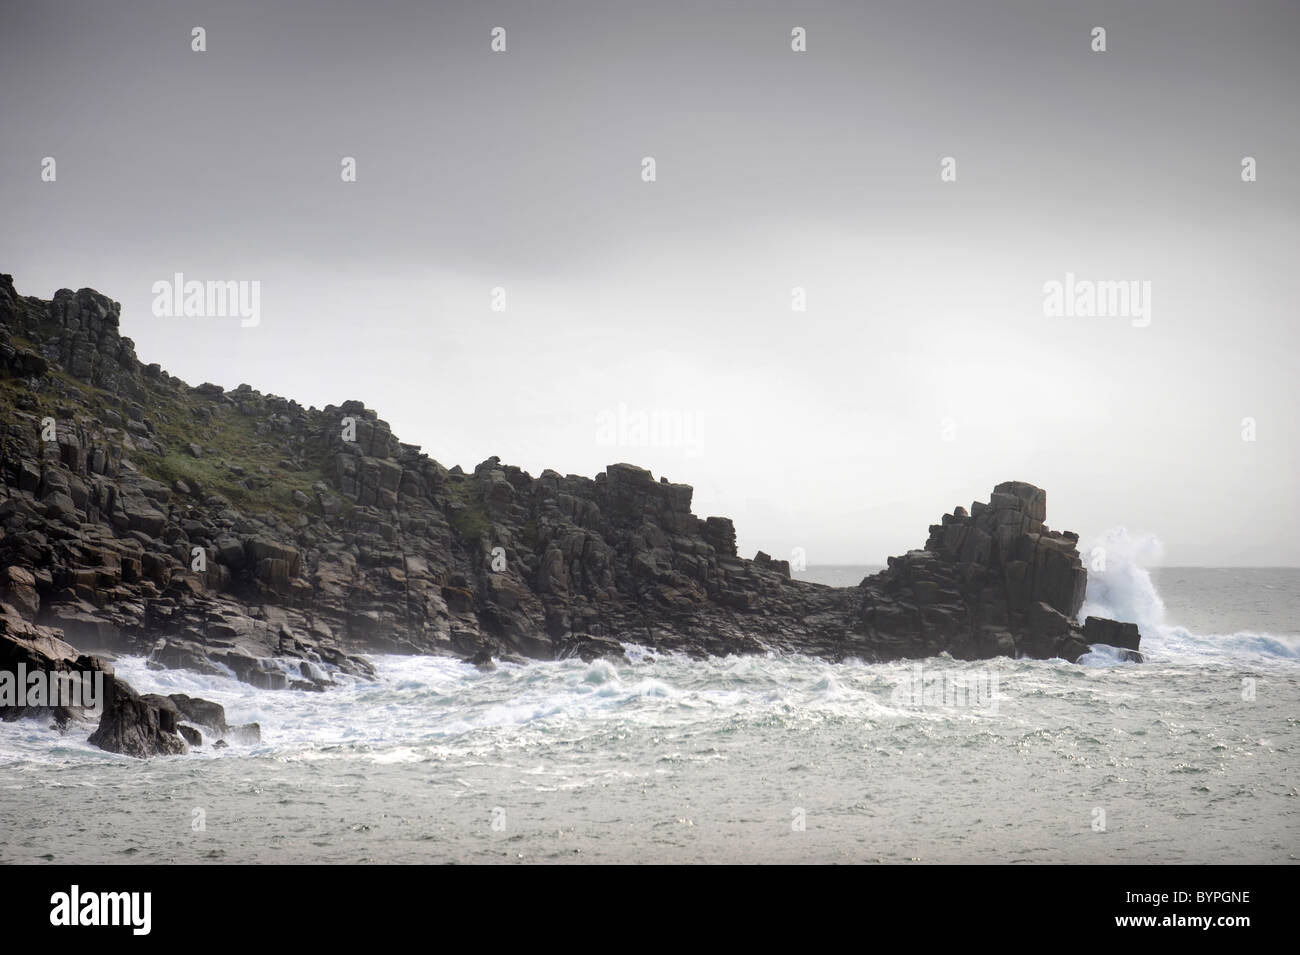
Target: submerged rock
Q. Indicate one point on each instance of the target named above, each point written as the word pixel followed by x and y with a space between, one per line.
pixel 246 734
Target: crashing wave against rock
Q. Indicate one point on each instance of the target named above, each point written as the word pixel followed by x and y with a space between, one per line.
pixel 240 532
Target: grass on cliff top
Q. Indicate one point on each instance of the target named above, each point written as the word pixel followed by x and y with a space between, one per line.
pixel 232 436
pixel 227 438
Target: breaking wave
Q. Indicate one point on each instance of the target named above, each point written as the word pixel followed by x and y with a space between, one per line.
pixel 1120 587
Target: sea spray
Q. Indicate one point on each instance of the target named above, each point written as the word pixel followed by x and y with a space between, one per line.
pixel 1120 586
pixel 1119 583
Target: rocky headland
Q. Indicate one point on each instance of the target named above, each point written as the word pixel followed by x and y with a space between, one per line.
pixel 239 532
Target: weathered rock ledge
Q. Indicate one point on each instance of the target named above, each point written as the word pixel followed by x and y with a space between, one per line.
pixel 241 533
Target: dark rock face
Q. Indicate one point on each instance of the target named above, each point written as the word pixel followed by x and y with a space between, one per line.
pixel 200 712
pixel 991 580
pixel 128 723
pixel 1112 633
pixel 26 648
pixel 237 532
pixel 137 725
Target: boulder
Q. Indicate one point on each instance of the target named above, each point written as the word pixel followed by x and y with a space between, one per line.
pixel 1112 633
pixel 137 726
pixel 200 712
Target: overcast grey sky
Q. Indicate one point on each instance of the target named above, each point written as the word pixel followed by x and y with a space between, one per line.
pixel 924 370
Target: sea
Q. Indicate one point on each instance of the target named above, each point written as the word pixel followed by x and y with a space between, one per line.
pixel 1188 757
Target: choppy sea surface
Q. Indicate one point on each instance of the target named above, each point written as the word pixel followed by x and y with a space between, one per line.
pixel 1189 757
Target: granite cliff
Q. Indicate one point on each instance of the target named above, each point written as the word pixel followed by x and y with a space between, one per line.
pixel 239 532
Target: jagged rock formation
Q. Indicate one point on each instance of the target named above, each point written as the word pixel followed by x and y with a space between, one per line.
pixel 991 581
pixel 240 532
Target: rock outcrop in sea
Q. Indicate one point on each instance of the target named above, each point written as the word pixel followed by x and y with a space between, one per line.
pixel 238 532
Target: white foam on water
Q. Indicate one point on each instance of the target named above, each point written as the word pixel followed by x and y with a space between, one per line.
pixel 1124 591
pixel 422 708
